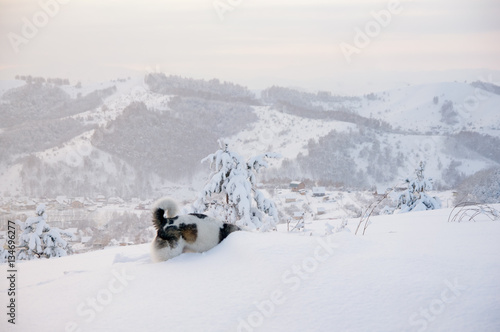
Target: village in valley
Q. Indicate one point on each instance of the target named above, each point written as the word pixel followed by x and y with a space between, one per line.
pixel 100 222
pixel 86 218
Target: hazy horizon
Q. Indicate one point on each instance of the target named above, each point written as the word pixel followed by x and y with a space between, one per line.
pixel 315 44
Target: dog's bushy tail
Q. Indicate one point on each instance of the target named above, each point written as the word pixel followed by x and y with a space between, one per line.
pixel 161 206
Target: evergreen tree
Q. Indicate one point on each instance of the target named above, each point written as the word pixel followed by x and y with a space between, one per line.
pixel 415 197
pixel 38 239
pixel 231 193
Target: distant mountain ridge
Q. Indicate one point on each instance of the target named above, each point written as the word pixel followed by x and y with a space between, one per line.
pixel 130 137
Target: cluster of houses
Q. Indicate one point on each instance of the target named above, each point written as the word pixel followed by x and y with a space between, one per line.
pixel 14 205
pixel 299 188
pixel 73 214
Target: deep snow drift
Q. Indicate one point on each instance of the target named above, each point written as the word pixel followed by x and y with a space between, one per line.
pixel 410 272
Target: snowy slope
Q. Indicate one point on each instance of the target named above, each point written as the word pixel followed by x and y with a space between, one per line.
pixel 410 272
pixel 412 108
pixel 130 91
pixel 284 133
pixel 72 152
pixel 6 85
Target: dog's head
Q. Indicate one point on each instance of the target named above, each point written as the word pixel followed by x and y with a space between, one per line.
pixel 172 233
pixel 226 230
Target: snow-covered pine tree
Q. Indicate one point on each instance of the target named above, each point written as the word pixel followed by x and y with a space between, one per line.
pixel 38 239
pixel 231 192
pixel 415 197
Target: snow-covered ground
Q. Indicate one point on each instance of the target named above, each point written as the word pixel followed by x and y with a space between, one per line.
pixel 410 272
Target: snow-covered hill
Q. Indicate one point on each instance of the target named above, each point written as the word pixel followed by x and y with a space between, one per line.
pixel 416 123
pixel 411 272
pixel 418 108
pixel 414 108
pixel 286 133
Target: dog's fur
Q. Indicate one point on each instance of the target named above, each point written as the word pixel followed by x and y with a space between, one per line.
pixel 186 233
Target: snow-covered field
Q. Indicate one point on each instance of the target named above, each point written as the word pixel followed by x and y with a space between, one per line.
pixel 410 272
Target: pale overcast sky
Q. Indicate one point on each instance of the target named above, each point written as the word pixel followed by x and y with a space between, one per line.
pixel 308 43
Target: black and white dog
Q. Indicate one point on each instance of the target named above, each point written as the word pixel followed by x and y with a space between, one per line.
pixel 186 233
